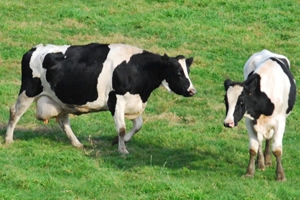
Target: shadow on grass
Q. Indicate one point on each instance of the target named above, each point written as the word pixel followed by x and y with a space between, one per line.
pixel 142 153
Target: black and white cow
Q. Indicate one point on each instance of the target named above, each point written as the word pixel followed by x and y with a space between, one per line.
pixel 96 77
pixel 265 98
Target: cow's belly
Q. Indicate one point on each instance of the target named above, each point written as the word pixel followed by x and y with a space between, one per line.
pixel 134 106
pixel 49 106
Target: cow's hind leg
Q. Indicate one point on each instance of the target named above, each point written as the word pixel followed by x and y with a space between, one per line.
pixel 16 112
pixel 267 153
pixel 64 122
pixel 136 126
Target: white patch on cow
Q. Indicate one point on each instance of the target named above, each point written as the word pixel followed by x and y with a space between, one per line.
pixel 247 115
pixel 121 52
pixel 233 93
pixel 166 85
pixel 258 58
pixel 134 105
pixel 182 62
pixel 37 58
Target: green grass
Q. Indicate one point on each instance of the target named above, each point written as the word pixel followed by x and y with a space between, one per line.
pixel 183 151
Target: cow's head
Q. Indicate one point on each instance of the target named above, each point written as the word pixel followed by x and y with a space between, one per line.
pixel 245 99
pixel 234 100
pixel 177 75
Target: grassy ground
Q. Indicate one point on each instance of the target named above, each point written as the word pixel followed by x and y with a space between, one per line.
pixel 183 151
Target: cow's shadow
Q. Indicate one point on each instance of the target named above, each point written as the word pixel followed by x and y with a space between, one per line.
pixel 142 153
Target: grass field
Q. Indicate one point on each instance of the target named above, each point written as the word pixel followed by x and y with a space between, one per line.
pixel 183 151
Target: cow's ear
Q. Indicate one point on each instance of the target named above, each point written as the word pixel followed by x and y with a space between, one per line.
pixel 189 61
pixel 227 83
pixel 251 84
pixel 165 57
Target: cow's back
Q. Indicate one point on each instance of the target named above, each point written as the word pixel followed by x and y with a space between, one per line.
pixel 121 52
pixel 257 59
pixel 277 82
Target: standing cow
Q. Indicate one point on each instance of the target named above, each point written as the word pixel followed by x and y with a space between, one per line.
pixel 96 77
pixel 265 98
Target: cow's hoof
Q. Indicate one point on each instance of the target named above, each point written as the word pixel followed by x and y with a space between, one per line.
pixel 123 151
pixel 115 140
pixel 249 175
pixel 8 141
pixel 280 177
pixel 268 163
pixel 78 145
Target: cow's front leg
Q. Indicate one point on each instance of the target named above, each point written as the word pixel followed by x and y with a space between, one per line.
pixel 277 150
pixel 279 168
pixel 120 124
pixel 251 166
pixel 136 126
pixel 64 122
pixel 253 147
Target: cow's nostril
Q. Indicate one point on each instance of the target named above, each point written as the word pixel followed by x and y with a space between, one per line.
pixel 192 91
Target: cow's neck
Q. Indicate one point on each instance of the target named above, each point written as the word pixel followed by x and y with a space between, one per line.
pixel 155 75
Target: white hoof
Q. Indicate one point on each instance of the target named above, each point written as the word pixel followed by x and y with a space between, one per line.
pixel 8 141
pixel 78 145
pixel 123 151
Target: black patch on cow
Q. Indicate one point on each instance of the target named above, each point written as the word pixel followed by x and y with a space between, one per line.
pixel 292 95
pixel 111 102
pixel 74 79
pixel 250 74
pixel 257 102
pixel 32 86
pixel 52 59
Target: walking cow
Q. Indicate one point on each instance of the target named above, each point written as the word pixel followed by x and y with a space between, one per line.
pixel 265 98
pixel 96 77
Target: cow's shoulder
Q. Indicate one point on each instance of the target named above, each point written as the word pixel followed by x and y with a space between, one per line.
pixel 258 102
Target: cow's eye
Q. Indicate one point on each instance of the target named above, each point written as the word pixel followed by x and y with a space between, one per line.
pixel 242 102
pixel 179 73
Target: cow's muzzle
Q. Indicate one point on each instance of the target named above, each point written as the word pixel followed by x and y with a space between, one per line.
pixel 192 91
pixel 229 125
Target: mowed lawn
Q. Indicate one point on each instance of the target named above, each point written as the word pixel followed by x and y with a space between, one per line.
pixel 183 151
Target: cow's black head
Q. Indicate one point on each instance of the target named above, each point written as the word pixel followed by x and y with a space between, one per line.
pixel 177 75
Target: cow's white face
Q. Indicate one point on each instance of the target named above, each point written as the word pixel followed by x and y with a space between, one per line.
pixel 235 103
pixel 177 76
